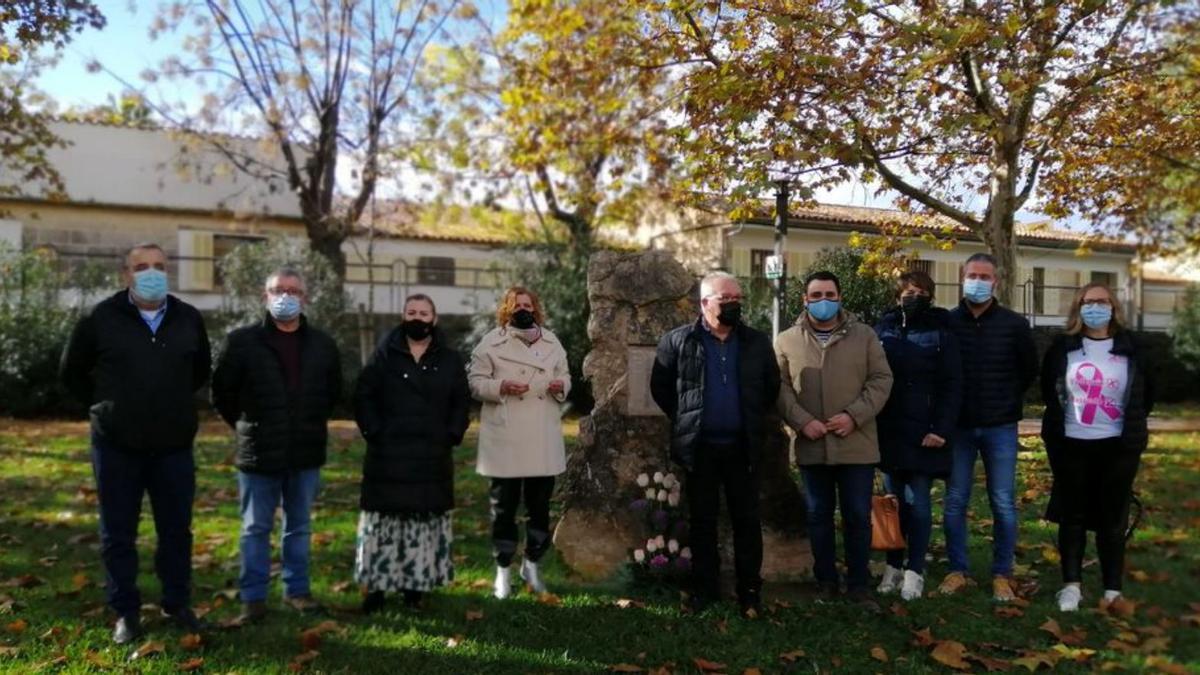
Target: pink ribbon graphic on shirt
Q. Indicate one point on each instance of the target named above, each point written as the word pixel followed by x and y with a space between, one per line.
pixel 1093 390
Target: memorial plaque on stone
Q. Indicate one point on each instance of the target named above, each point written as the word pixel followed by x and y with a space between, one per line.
pixel 639 361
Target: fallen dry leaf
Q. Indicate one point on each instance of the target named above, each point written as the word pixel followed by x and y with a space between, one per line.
pixel 9 651
pixel 792 656
pixel 549 599
pixel 1155 644
pixel 53 634
pixel 990 664
pixel 1121 607
pixel 343 587
pixel 1031 661
pixel 147 650
pixel 302 658
pixel 626 603
pixel 625 668
pixel 25 581
pixel 708 666
pixel 17 626
pixel 191 642
pixel 879 654
pixel 455 641
pixel 1008 611
pixel 1162 665
pixel 191 665
pixel 1074 654
pixel 898 609
pixel 474 615
pixel 752 671
pixel 923 637
pixel 951 654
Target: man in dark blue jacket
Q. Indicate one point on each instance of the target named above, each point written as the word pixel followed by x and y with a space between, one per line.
pixel 137 359
pixel 276 383
pixel 717 380
pixel 999 363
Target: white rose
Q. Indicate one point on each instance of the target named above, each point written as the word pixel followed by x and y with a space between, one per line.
pixel 643 480
pixel 673 546
pixel 659 542
pixel 658 476
pixel 685 552
pixel 651 494
pixel 670 481
pixel 673 499
pixel 662 495
pixel 651 545
pixel 639 555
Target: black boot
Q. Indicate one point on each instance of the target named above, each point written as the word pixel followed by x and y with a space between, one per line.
pixel 373 602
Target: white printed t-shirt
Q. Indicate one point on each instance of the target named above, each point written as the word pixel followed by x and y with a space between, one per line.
pixel 1096 383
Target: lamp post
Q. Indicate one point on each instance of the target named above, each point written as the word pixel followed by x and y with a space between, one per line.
pixel 782 195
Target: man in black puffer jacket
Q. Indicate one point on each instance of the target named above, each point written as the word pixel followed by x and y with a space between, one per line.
pixel 276 383
pixel 138 359
pixel 717 379
pixel 999 363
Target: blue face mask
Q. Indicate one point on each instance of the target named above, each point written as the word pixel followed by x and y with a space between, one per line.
pixel 284 307
pixel 150 285
pixel 1096 316
pixel 824 310
pixel 977 291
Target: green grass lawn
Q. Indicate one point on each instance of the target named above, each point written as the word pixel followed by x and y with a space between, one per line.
pixel 52 614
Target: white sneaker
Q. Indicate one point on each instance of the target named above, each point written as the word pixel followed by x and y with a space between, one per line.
pixel 503 585
pixel 891 579
pixel 529 572
pixel 1069 597
pixel 914 586
pixel 1109 596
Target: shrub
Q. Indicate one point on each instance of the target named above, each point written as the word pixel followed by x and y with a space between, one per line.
pixel 39 305
pixel 1185 329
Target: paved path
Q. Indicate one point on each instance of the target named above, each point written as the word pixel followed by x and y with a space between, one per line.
pixel 1033 427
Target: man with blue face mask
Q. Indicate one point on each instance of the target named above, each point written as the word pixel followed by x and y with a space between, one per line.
pixel 276 383
pixel 137 359
pixel 999 363
pixel 836 379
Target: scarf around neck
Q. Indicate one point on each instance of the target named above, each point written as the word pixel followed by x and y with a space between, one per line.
pixel 526 335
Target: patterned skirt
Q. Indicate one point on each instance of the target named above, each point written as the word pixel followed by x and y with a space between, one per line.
pixel 397 553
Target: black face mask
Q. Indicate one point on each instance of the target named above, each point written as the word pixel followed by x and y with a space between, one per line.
pixel 416 329
pixel 915 305
pixel 523 319
pixel 731 314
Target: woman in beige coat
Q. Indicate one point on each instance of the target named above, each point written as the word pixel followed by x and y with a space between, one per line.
pixel 519 372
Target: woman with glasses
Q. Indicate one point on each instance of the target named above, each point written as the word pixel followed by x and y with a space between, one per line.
pixel 1097 394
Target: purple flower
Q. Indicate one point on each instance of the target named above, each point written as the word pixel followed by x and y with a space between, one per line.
pixel 639 505
pixel 659 561
pixel 659 519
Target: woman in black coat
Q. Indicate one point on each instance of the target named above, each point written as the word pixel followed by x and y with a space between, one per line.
pixel 411 404
pixel 917 424
pixel 1098 396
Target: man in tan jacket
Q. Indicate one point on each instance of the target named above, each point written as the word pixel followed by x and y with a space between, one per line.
pixel 835 381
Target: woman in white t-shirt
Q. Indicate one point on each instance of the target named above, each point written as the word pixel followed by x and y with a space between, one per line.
pixel 1097 396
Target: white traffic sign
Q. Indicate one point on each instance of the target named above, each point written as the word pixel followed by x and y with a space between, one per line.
pixel 773 266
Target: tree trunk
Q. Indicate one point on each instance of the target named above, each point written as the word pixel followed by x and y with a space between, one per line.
pixel 997 226
pixel 327 242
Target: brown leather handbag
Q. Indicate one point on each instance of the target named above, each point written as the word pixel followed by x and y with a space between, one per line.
pixel 885 523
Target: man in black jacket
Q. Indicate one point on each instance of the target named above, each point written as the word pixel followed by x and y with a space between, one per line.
pixel 276 383
pixel 717 380
pixel 999 363
pixel 137 359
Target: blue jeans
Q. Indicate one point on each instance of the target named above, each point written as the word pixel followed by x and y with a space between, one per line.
pixel 122 478
pixel 998 447
pixel 916 517
pixel 260 496
pixel 825 486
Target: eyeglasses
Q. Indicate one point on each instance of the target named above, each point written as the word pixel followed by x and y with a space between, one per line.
pixel 294 292
pixel 1096 301
pixel 722 299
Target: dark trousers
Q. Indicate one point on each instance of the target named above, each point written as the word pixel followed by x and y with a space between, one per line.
pixel 912 488
pixel 506 495
pixel 716 466
pixel 121 479
pixel 825 487
pixel 1093 481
